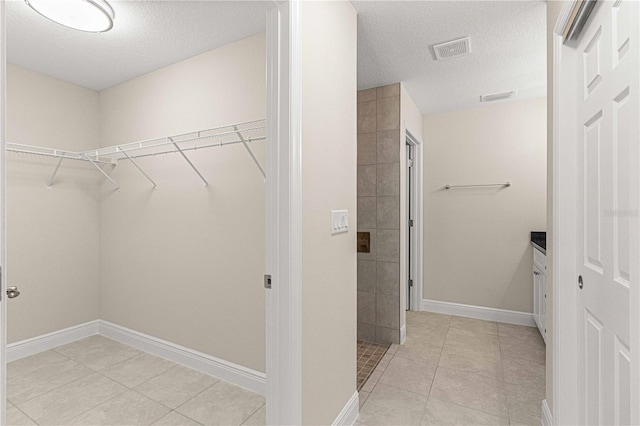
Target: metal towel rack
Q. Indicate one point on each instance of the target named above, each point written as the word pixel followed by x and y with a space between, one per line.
pixel 240 133
pixel 506 184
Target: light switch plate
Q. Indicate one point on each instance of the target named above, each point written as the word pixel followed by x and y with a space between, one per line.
pixel 339 221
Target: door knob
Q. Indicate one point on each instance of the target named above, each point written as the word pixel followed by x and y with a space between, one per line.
pixel 12 292
pixel 580 282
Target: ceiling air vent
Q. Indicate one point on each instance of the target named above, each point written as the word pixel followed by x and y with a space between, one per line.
pixel 497 96
pixel 452 48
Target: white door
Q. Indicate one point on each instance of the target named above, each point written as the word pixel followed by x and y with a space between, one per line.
pixel 3 256
pixel 607 198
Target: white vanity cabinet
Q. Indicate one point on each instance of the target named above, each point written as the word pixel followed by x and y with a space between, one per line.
pixel 540 290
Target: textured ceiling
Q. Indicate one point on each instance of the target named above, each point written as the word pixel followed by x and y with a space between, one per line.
pixel 508 45
pixel 508 49
pixel 147 35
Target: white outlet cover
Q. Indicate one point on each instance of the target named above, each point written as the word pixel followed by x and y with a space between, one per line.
pixel 339 221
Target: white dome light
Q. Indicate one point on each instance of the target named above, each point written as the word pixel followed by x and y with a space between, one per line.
pixel 94 16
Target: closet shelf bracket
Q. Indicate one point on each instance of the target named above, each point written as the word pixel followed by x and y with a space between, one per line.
pixel 55 172
pixel 253 157
pixel 155 186
pixel 188 161
pixel 86 157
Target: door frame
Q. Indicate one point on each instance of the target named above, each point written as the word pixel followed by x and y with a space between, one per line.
pixel 565 294
pixel 283 312
pixel 3 215
pixel 417 243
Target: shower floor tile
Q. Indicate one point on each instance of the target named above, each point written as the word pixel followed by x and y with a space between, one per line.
pixel 369 355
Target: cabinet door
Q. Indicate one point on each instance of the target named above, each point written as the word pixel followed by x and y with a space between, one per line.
pixel 543 306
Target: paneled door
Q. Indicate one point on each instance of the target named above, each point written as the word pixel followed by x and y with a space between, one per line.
pixel 607 196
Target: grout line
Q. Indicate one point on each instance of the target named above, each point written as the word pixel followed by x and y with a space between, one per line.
pixel 260 408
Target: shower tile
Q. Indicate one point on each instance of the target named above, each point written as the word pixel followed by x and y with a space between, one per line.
pixel 366 332
pixel 176 386
pixel 388 213
pixel 387 335
pixel 367 275
pixel 367 181
pixel 367 149
pixel 367 95
pixel 222 403
pixel 366 307
pixel 388 91
pixel 388 249
pixel 388 278
pixel 387 311
pixel 367 117
pixel 367 210
pixel 388 146
pixel 388 180
pixel 388 113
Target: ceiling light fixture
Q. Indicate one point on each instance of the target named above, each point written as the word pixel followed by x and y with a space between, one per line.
pixel 94 16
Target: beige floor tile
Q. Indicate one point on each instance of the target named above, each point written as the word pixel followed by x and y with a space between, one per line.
pixel 15 417
pixel 62 404
pixel 517 420
pixel 524 401
pixel 98 352
pixel 472 339
pixel 470 390
pixel 421 351
pixel 386 359
pixel 518 331
pixel 474 325
pixel 176 419
pixel 523 372
pixel 532 348
pixel 411 375
pixel 222 403
pixel 175 386
pixel 388 405
pixel 36 375
pixel 392 348
pixel 138 369
pixel 130 408
pixel 445 413
pixel 259 418
pixel 362 397
pixel 372 381
pixel 427 318
pixel 472 361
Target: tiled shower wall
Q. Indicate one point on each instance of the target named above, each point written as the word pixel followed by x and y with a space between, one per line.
pixel 379 213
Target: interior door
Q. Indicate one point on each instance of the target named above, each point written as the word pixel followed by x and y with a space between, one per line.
pixel 3 251
pixel 607 234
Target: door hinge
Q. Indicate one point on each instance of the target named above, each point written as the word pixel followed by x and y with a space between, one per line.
pixel 410 162
pixel 410 223
pixel 267 281
pixel 410 283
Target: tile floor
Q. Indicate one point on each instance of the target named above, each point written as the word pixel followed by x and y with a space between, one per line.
pixel 457 371
pixel 97 381
pixel 369 355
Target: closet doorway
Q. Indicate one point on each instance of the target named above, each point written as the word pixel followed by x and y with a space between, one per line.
pixel 136 215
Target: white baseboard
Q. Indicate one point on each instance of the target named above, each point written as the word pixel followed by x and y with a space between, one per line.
pixel 479 312
pixel 247 378
pixel 350 412
pixel 238 375
pixel 403 334
pixel 546 418
pixel 45 342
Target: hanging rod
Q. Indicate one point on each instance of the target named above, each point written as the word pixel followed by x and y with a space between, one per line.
pixel 506 184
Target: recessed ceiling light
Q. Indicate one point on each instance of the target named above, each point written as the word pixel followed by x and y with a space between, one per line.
pixel 498 96
pixel 94 16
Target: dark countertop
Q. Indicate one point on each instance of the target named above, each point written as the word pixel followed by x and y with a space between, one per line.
pixel 539 241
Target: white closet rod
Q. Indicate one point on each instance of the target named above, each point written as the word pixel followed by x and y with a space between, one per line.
pixel 240 133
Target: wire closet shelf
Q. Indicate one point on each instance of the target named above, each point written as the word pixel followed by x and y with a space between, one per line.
pixel 245 133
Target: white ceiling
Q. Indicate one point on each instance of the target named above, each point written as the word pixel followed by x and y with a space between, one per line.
pixel 508 49
pixel 508 45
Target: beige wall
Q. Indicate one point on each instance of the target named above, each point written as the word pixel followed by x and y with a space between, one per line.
pixel 329 182
pixel 553 12
pixel 53 235
pixel 476 241
pixel 185 262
